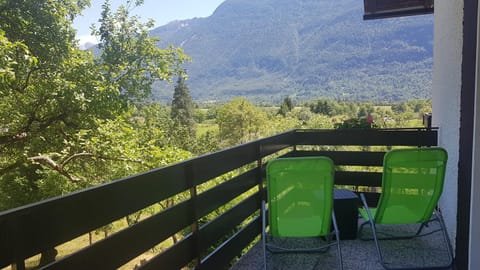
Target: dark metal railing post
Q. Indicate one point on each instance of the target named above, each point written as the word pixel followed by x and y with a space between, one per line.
pixel 19 266
pixel 190 174
pixel 259 173
pixel 261 190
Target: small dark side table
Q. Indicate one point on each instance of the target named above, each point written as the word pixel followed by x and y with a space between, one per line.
pixel 345 205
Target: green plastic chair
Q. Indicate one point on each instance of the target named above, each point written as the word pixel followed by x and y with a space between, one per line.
pixel 411 187
pixel 300 203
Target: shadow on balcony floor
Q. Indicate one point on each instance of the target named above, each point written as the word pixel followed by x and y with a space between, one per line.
pixel 357 254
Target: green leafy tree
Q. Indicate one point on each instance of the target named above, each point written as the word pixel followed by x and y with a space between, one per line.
pixel 400 107
pixel 46 90
pixel 420 105
pixel 182 114
pixel 207 143
pixel 56 97
pixel 130 60
pixel 365 109
pixel 133 142
pixel 323 106
pixel 286 106
pixel 240 121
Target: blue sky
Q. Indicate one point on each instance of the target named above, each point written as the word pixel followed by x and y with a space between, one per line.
pixel 162 11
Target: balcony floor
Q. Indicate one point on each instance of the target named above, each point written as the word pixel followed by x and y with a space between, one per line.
pixel 357 254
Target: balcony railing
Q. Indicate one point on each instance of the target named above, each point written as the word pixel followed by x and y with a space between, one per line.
pixel 209 243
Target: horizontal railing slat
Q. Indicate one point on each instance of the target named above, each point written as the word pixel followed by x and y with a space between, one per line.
pixel 276 143
pixel 221 258
pixel 373 179
pixel 225 192
pixel 365 137
pixel 173 258
pixel 225 223
pixel 352 158
pixel 207 167
pixel 121 247
pixel 29 230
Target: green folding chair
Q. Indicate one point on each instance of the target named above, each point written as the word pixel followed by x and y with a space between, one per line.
pixel 300 204
pixel 411 187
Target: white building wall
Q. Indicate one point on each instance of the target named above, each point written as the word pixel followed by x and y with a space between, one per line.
pixel 474 249
pixel 447 66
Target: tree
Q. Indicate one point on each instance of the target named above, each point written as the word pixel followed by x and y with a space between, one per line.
pixel 286 106
pixel 239 121
pixel 46 90
pixel 365 109
pixel 400 107
pixel 182 114
pixel 56 96
pixel 356 123
pixel 130 61
pixel 323 106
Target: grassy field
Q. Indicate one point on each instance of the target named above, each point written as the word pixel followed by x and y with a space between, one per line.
pixel 206 126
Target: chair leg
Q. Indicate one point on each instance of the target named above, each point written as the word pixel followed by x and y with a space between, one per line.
pixel 360 230
pixel 439 218
pixel 337 236
pixel 264 236
pixel 421 228
pixel 445 237
pixel 372 225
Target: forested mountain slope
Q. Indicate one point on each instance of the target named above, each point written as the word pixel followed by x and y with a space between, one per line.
pixel 268 49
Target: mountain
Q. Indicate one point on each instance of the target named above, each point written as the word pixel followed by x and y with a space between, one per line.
pixel 268 49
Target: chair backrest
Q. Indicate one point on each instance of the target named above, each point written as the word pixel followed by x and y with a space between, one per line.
pixel 411 186
pixel 300 196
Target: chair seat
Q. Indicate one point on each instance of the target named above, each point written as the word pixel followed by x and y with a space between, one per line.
pixel 412 182
pixel 300 204
pixel 300 227
pixel 397 214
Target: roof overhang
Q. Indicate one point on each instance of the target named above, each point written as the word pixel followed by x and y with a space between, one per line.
pixel 380 9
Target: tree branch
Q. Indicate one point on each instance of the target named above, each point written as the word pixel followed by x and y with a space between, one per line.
pixel 86 154
pixel 22 88
pixel 6 139
pixel 60 168
pixel 44 160
pixel 74 156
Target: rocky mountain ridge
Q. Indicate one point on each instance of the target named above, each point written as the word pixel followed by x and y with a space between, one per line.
pixel 268 49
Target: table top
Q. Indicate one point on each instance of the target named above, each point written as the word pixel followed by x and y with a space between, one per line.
pixel 344 194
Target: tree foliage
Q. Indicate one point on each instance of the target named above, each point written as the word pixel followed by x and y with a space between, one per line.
pixel 47 89
pixel 130 61
pixel 286 106
pixel 182 114
pixel 323 106
pixel 239 121
pixel 57 99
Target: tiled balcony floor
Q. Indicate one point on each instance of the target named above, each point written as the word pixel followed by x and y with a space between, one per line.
pixel 357 254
